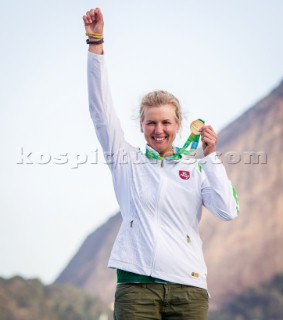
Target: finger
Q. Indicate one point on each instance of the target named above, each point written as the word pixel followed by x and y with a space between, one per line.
pixel 210 135
pixel 207 128
pixel 208 131
pixel 99 13
pixel 210 140
pixel 88 17
pixel 86 20
pixel 94 13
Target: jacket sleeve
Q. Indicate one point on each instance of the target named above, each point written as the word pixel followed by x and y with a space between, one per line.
pixel 218 194
pixel 106 123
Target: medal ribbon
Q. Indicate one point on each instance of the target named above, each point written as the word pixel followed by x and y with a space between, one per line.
pixel 193 139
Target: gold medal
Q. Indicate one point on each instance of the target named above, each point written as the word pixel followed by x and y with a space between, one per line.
pixel 196 126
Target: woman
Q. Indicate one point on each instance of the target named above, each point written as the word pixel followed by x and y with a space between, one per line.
pixel 158 252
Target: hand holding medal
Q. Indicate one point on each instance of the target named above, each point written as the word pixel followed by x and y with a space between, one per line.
pixel 209 140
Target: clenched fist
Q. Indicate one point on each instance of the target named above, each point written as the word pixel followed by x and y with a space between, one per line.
pixel 93 21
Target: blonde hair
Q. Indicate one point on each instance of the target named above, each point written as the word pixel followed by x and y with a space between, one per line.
pixel 160 98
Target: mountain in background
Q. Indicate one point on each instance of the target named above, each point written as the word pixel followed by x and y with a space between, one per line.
pixel 263 303
pixel 241 254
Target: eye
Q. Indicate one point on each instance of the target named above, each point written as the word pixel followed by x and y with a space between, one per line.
pixel 166 122
pixel 150 123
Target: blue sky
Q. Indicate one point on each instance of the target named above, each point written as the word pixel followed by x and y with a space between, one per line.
pixel 217 57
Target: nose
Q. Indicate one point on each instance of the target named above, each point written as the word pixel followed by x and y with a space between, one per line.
pixel 158 128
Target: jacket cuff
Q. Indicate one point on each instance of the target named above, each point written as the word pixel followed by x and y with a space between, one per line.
pixel 99 57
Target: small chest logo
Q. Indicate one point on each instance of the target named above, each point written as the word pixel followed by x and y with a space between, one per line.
pixel 184 174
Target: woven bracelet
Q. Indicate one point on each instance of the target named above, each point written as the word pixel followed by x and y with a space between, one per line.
pixel 94 42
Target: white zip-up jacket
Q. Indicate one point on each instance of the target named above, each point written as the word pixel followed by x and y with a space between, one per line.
pixel 160 200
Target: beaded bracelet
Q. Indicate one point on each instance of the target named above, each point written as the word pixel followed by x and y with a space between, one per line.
pixel 95 42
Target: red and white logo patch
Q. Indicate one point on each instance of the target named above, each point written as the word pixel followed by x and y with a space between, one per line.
pixel 184 174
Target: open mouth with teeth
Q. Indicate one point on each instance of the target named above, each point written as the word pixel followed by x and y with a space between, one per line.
pixel 159 139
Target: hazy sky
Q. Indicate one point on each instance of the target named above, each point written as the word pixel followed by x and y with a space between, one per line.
pixel 218 57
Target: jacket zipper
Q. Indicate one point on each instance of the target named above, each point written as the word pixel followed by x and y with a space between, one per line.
pixel 157 219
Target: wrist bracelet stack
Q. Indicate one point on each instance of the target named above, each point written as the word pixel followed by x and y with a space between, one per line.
pixel 97 36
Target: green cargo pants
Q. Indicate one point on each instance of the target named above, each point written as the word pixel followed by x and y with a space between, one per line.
pixel 154 301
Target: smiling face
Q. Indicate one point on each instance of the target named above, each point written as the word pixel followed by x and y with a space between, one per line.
pixel 160 126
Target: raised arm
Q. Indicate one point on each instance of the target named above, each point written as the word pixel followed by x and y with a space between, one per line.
pixel 105 120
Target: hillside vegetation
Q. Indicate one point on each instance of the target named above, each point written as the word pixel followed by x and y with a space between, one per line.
pixel 263 303
pixel 22 299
